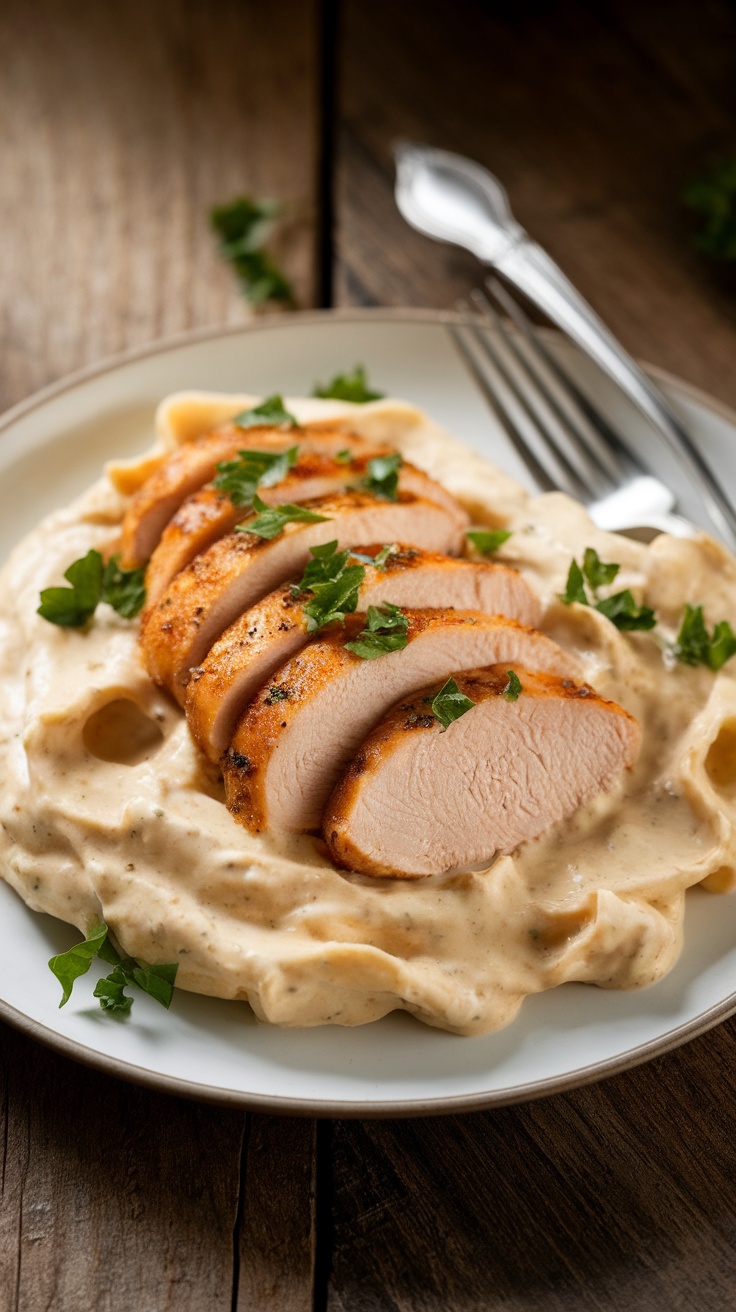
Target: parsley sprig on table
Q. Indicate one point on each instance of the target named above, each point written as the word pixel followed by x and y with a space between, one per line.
pixel 352 386
pixel 93 581
pixel 157 981
pixel 240 479
pixel 243 226
pixel 386 631
pixel 621 609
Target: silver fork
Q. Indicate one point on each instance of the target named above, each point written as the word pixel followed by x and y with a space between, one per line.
pixel 453 199
pixel 565 442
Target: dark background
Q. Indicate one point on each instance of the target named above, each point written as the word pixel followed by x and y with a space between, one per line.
pixel 121 125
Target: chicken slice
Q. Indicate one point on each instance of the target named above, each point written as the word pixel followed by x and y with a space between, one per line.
pixel 303 728
pixel 275 629
pixel 194 464
pixel 205 598
pixel 209 514
pixel 419 800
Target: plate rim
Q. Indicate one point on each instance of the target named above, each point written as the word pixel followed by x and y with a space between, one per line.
pixel 325 1107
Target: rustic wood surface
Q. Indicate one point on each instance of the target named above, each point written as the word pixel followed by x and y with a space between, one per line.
pixel 121 126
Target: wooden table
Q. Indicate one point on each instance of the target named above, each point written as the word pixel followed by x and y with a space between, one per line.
pixel 122 125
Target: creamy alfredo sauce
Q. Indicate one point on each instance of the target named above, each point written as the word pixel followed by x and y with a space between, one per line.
pixel 108 810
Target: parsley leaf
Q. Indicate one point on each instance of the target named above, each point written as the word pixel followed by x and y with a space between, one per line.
pixel 344 457
pixel 378 561
pixel 622 610
pixel 243 226
pixel 273 519
pixel 111 992
pixel 349 387
pixel 695 646
pixel 68 966
pixel 596 572
pixel 335 586
pixel 450 703
pixel 124 589
pixel 93 582
pixel 486 541
pixel 714 196
pixel 385 631
pixel 722 645
pixel 334 600
pixel 325 566
pixel 575 589
pixel 382 479
pixel 270 413
pixel 513 687
pixel 158 981
pixel 72 607
pixel 239 479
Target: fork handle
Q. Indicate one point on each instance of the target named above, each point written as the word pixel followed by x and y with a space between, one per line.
pixel 528 267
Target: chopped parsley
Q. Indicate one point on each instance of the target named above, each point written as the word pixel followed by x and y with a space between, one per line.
pixel 450 703
pixel 513 687
pixel 575 588
pixel 276 694
pixel 488 540
pixel 240 479
pixel 344 457
pixel 385 631
pixel 382 478
pixel 334 600
pixel 324 567
pixel 157 981
pixel 694 645
pixel 621 609
pixel 271 413
pixel 335 586
pixel 92 582
pixel 243 226
pixel 352 386
pixel 378 561
pixel 596 572
pixel 272 520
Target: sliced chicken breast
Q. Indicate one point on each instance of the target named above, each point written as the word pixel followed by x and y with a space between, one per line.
pixel 419 799
pixel 195 464
pixel 209 514
pixel 275 629
pixel 234 573
pixel 303 728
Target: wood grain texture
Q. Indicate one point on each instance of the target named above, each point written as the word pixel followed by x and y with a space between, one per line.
pixel 123 125
pixel 113 1197
pixel 616 1197
pixel 278 1229
pixel 594 116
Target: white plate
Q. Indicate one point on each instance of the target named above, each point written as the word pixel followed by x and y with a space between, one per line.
pixel 50 448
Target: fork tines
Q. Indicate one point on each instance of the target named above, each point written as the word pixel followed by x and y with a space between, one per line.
pixel 565 443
